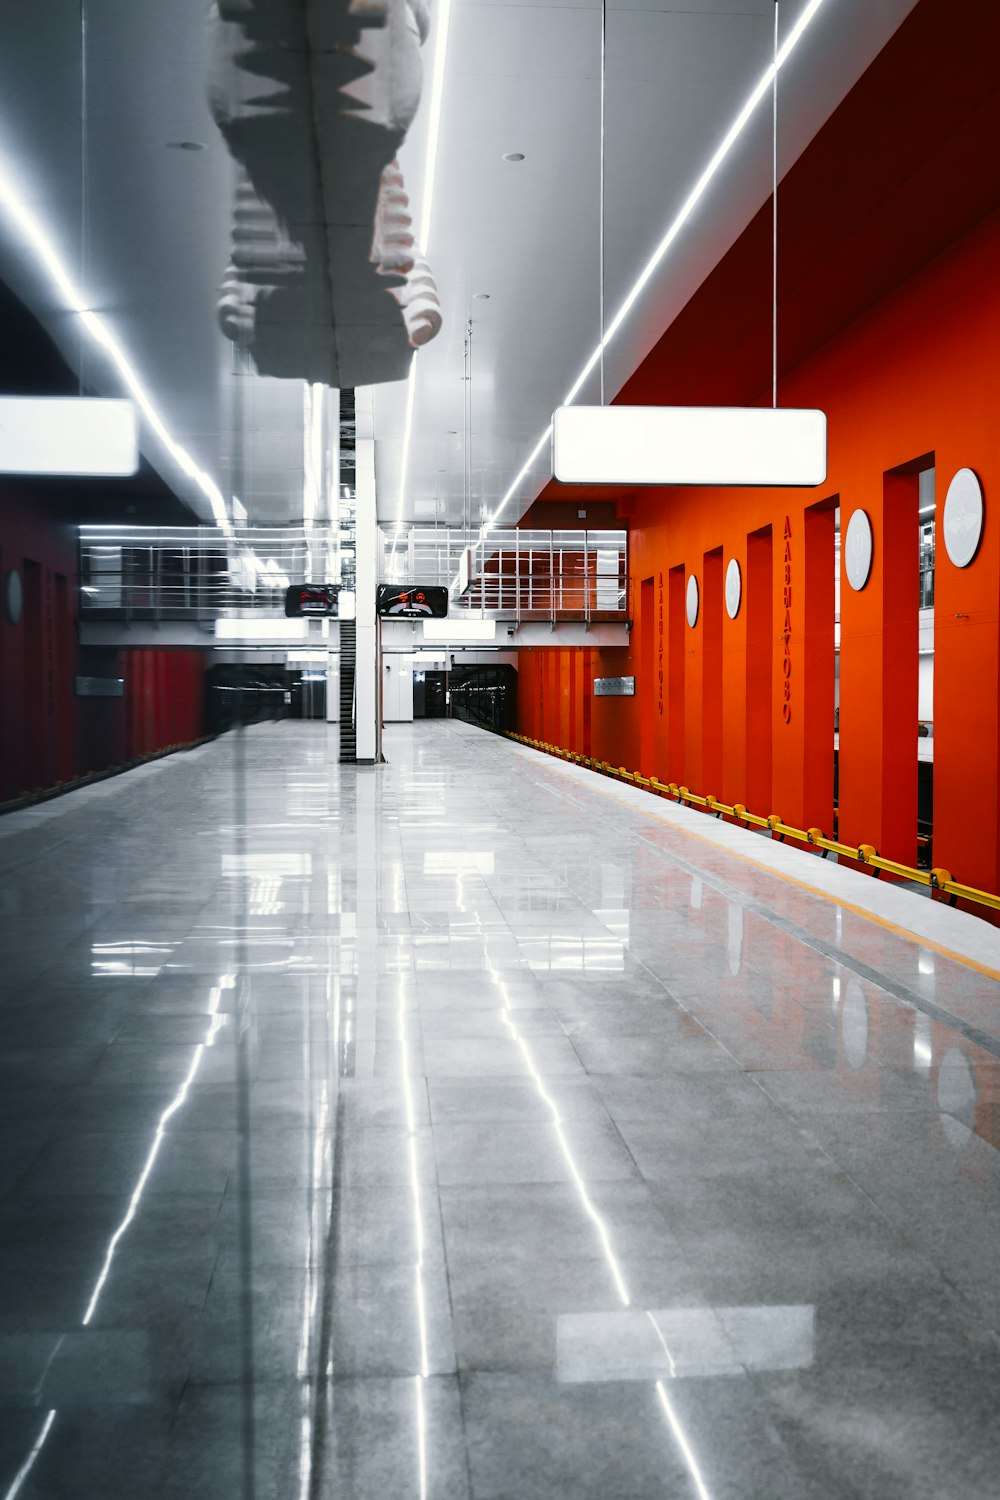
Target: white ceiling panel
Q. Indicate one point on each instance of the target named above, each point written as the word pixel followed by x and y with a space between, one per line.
pixel 526 78
pixel 519 77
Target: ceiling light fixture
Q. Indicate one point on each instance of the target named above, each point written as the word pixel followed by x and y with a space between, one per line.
pixel 715 163
pixel 68 435
pixel 443 20
pixel 690 445
pixel 45 251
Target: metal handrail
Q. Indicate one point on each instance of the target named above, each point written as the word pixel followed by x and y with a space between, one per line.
pixel 202 572
pixel 198 572
pixel 520 574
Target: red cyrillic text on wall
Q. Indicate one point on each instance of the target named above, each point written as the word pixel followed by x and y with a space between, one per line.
pixel 659 648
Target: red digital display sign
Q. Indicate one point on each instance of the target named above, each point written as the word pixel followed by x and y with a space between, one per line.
pixel 411 601
pixel 311 599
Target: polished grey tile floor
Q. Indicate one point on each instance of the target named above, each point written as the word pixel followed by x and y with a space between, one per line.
pixel 448 1130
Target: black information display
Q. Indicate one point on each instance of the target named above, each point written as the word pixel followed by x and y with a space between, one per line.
pixel 311 599
pixel 411 601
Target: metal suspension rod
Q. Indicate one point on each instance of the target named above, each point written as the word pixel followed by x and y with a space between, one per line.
pixel 774 219
pixel 84 191
pixel 600 269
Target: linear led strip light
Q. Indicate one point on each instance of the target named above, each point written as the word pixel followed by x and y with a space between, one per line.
pixel 702 185
pixel 38 240
pixel 442 26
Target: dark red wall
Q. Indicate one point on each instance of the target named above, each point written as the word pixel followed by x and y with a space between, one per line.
pixel 37 656
pixel 47 733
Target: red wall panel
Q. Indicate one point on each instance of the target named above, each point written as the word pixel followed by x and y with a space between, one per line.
pixel 914 378
pixel 37 655
pixel 48 734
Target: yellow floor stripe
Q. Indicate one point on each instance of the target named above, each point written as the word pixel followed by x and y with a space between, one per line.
pixel 803 885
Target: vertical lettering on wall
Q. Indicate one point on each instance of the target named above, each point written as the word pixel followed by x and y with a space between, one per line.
pixel 659 646
pixel 786 632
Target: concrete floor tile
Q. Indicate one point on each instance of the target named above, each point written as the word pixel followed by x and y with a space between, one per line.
pixel 349 1149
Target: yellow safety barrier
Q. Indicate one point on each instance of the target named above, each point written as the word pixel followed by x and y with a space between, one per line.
pixel 58 788
pixel 937 879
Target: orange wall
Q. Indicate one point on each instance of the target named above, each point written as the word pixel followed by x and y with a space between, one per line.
pixel 915 376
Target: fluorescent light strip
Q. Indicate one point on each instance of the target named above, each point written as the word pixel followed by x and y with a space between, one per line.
pixel 442 27
pixel 729 140
pixel 313 404
pixel 411 386
pixel 443 24
pixel 36 237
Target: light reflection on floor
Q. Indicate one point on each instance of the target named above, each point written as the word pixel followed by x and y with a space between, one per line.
pixel 555 1169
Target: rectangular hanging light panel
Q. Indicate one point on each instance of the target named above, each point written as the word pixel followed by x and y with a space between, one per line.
pixel 456 631
pixel 68 435
pixel 253 632
pixel 690 445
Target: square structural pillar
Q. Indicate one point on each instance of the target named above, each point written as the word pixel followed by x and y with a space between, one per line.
pixel 366 684
pixel 879 642
pixel 966 742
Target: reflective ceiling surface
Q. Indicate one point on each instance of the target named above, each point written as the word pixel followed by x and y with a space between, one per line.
pixel 133 197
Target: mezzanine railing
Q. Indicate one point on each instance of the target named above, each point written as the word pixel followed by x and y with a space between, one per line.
pixel 166 573
pixel 517 574
pixel 201 573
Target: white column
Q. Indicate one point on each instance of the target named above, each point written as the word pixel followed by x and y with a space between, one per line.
pixel 333 675
pixel 366 670
pixel 330 491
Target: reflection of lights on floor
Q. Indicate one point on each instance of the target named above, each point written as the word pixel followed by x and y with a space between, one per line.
pixel 421 1437
pixel 29 1462
pixel 679 1435
pixel 923 1055
pixel 418 1229
pixel 578 1182
pixel 227 982
pixel 666 1348
pixel 111 959
pixel 680 1438
pixel 571 954
pixel 923 1049
pixel 316 1238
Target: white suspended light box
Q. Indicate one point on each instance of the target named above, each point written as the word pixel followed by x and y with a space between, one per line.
pixel 689 445
pixel 254 632
pixel 458 631
pixel 68 435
